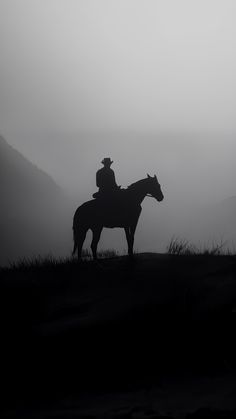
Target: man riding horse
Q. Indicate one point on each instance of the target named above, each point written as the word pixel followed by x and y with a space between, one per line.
pixel 113 209
pixel 105 180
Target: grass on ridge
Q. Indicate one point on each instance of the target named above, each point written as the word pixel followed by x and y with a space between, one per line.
pixel 176 246
pixel 183 247
pixel 49 261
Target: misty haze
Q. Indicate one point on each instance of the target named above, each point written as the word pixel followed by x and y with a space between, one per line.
pixel 150 84
pixel 118 208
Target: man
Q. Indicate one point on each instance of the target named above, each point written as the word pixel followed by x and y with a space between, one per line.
pixel 105 179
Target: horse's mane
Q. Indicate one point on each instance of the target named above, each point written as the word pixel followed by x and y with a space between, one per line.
pixel 136 183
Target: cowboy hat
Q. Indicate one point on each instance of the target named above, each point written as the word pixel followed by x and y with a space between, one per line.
pixel 107 160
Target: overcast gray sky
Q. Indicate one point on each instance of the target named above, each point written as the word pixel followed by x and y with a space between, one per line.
pixel 151 83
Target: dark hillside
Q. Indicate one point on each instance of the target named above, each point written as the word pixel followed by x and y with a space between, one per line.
pixel 116 326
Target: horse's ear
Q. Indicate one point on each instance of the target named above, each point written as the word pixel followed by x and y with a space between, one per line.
pixel 148 175
pixel 155 176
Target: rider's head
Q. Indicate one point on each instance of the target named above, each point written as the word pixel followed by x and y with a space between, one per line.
pixel 107 162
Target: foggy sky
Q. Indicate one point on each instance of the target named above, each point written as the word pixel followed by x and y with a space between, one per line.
pixel 150 83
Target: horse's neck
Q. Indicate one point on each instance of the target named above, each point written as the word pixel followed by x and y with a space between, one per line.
pixel 138 192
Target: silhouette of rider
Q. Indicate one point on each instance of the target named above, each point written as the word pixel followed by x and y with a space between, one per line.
pixel 105 179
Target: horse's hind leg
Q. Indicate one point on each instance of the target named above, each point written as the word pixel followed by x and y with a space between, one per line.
pixel 96 237
pixel 79 241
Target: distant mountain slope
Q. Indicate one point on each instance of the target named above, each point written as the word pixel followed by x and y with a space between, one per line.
pixel 33 211
pixel 20 177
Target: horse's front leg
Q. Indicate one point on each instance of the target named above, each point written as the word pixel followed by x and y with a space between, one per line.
pixel 131 233
pixel 96 237
pixel 130 240
pixel 131 252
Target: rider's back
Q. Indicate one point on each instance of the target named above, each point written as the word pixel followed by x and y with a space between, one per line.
pixel 105 179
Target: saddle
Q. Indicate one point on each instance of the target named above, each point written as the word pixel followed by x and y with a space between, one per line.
pixel 113 195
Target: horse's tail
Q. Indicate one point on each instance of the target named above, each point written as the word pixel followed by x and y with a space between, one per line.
pixel 74 235
pixel 80 227
pixel 75 243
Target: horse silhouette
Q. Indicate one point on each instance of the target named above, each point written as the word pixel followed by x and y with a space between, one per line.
pixel 122 209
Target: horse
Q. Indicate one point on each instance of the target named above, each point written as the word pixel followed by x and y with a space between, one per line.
pixel 122 209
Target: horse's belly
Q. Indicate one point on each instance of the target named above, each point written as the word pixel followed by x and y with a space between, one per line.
pixel 119 216
pixel 114 225
pixel 116 221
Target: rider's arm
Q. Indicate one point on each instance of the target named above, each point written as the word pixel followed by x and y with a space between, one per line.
pixel 114 179
pixel 98 178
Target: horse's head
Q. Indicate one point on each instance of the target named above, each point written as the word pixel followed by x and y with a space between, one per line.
pixel 154 188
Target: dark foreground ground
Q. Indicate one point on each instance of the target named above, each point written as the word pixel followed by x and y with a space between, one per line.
pixel 150 338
